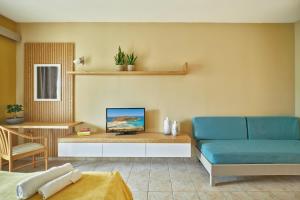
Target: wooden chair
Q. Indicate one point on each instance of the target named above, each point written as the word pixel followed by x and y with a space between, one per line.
pixel 11 153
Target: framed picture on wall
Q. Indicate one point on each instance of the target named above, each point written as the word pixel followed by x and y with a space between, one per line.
pixel 47 82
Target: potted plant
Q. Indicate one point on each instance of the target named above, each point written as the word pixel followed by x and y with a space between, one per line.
pixel 131 58
pixel 14 109
pixel 120 59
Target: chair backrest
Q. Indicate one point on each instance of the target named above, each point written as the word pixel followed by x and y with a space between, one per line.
pixel 5 141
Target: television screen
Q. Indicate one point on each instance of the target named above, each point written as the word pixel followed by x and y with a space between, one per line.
pixel 121 120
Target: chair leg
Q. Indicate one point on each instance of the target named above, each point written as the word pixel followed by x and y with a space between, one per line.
pixel 33 162
pixel 46 160
pixel 0 163
pixel 10 165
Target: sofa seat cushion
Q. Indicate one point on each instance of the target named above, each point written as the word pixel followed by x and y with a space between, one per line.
pixel 250 151
pixel 27 147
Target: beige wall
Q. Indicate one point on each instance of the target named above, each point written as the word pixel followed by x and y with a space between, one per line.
pixel 235 69
pixel 297 69
pixel 7 68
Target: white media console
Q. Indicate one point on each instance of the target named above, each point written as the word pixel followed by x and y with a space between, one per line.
pixel 140 145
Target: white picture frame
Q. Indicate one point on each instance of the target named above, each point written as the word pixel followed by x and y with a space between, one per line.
pixel 42 84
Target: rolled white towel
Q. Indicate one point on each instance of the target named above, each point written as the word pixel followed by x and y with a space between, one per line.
pixel 59 183
pixel 29 186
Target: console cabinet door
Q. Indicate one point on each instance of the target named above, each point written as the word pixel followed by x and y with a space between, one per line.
pixel 124 150
pixel 168 150
pixel 79 149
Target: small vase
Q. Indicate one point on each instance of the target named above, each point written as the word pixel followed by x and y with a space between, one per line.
pixel 119 67
pixel 174 128
pixel 167 127
pixel 130 68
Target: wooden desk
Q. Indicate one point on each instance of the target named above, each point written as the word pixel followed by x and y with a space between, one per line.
pixel 51 130
pixel 42 125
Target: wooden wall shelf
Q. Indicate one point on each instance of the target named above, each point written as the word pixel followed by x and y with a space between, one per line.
pixel 183 71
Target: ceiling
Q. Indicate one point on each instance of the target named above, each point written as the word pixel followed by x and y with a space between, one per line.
pixel 231 11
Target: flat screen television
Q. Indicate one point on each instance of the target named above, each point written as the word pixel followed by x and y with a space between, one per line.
pixel 125 120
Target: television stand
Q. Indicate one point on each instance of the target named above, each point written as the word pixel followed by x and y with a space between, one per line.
pixel 152 144
pixel 124 133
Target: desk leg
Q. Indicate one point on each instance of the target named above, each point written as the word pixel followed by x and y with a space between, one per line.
pixel 46 153
pixel 33 161
pixel 20 139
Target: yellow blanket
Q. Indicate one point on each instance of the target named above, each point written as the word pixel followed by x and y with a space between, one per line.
pixel 91 186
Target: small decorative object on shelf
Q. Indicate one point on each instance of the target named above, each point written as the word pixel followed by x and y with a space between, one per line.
pixel 84 132
pixel 79 61
pixel 167 127
pixel 14 109
pixel 120 60
pixel 175 128
pixel 131 58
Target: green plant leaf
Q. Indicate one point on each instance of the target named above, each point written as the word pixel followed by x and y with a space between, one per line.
pixel 131 59
pixel 120 57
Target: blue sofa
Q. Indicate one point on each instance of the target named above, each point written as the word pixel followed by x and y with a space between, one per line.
pixel 237 146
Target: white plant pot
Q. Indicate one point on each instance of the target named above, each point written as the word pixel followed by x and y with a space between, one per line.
pixel 16 120
pixel 119 67
pixel 130 68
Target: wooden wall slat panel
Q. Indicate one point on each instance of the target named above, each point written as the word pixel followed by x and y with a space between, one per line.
pixel 60 111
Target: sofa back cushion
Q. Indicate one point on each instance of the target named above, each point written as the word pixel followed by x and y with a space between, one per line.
pixel 273 128
pixel 222 128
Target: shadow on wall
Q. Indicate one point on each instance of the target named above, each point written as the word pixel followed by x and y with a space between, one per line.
pixel 2 112
pixel 194 68
pixel 186 126
pixel 152 120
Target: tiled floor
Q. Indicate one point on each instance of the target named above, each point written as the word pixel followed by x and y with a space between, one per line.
pixel 186 179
